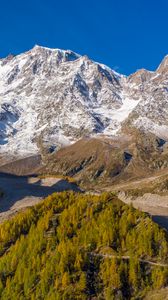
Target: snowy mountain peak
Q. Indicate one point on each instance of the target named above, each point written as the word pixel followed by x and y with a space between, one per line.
pixel 163 67
pixel 67 54
pixel 140 76
pixel 52 97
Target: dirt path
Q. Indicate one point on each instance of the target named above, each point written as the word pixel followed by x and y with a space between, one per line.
pixel 126 257
pixel 23 191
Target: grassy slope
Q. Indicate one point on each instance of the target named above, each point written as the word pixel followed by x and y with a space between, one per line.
pixel 102 161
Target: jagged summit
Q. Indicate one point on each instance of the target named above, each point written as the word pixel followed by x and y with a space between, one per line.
pixel 53 97
pixel 163 67
pixel 140 76
pixel 67 54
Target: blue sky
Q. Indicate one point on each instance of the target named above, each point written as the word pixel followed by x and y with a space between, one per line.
pixel 123 34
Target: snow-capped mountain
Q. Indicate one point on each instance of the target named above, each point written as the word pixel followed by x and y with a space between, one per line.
pixel 151 113
pixel 55 97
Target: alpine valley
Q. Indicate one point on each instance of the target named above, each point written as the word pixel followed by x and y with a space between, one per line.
pixel 83 179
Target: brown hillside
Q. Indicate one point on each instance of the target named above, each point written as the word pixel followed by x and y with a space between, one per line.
pixel 106 161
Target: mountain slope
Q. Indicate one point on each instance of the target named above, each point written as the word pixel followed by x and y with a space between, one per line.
pixel 151 113
pixel 75 246
pixel 99 162
pixel 50 98
pixel 51 95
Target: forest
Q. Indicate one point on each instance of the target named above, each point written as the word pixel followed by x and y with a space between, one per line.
pixel 78 246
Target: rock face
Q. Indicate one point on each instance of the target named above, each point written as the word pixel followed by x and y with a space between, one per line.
pixel 52 97
pixel 151 113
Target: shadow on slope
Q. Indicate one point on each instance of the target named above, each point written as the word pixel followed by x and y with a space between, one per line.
pixel 18 188
pixel 161 220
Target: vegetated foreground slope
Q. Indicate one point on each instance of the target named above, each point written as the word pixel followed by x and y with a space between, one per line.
pixel 75 246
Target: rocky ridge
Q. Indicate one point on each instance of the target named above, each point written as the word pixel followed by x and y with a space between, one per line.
pixel 51 98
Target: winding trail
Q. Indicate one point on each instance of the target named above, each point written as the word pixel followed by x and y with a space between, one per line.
pixel 127 257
